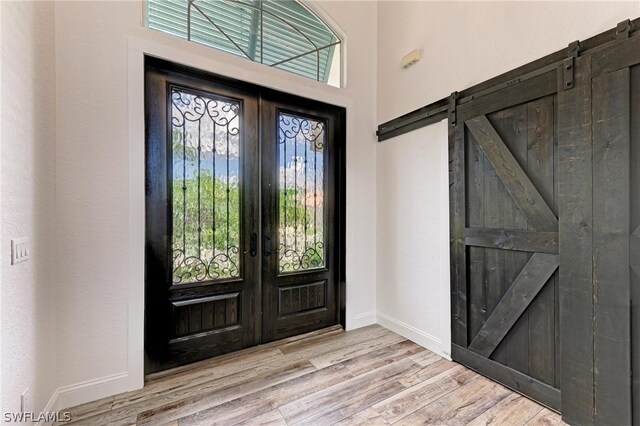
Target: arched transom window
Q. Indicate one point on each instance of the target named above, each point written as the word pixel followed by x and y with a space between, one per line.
pixel 282 34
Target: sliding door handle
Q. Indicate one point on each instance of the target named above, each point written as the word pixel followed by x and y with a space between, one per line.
pixel 266 249
pixel 253 244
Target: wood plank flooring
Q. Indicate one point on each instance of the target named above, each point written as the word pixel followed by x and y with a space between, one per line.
pixel 369 376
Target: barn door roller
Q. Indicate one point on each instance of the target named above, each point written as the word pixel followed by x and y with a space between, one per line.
pixel 623 29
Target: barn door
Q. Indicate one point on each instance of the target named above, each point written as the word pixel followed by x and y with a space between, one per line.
pixel 504 218
pixel 545 231
pixel 599 140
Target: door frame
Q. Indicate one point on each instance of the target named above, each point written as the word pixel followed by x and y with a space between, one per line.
pixel 150 62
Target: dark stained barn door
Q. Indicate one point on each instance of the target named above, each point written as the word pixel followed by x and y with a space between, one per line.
pixel 545 230
pixel 508 244
pixel 634 244
pixel 599 143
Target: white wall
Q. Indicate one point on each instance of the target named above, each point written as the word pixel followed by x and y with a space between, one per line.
pixel 100 194
pixel 87 184
pixel 463 43
pixel 413 237
pixel 28 203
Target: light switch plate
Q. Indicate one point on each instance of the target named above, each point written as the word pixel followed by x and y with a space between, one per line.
pixel 20 250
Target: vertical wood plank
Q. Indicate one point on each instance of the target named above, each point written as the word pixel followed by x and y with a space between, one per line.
pixel 511 129
pixel 285 301
pixel 509 222
pixel 494 217
pixel 295 299
pixel 494 194
pixel 540 168
pixel 635 223
pixel 207 315
pixel 321 292
pixel 181 320
pixel 312 296
pixel 195 318
pixel 219 313
pixel 576 233
pixel 475 215
pixel 556 276
pixel 457 226
pixel 611 210
pixel 304 297
pixel 516 343
pixel 231 311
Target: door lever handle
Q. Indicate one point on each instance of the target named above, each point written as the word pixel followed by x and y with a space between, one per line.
pixel 267 245
pixel 253 244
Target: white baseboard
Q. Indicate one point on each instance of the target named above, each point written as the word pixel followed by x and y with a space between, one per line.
pixel 91 390
pixel 425 340
pixel 361 320
pixel 52 406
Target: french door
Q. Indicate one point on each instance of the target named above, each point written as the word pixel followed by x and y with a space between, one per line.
pixel 241 236
pixel 298 216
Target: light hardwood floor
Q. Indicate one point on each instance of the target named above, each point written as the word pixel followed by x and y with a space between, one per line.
pixel 369 376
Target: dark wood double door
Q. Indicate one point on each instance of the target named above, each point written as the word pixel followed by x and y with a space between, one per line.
pixel 544 183
pixel 242 215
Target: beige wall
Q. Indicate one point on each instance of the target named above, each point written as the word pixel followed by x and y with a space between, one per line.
pixel 27 127
pixel 463 43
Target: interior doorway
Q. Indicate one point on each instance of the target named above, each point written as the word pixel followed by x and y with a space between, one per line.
pixel 244 215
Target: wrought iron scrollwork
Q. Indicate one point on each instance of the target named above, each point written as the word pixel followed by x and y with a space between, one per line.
pixel 205 147
pixel 301 143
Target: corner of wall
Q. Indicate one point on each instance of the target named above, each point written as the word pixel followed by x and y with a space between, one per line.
pixel 361 320
pixel 424 339
pixel 375 154
pixel 91 390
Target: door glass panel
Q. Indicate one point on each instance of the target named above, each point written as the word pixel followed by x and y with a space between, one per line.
pixel 205 135
pixel 301 143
